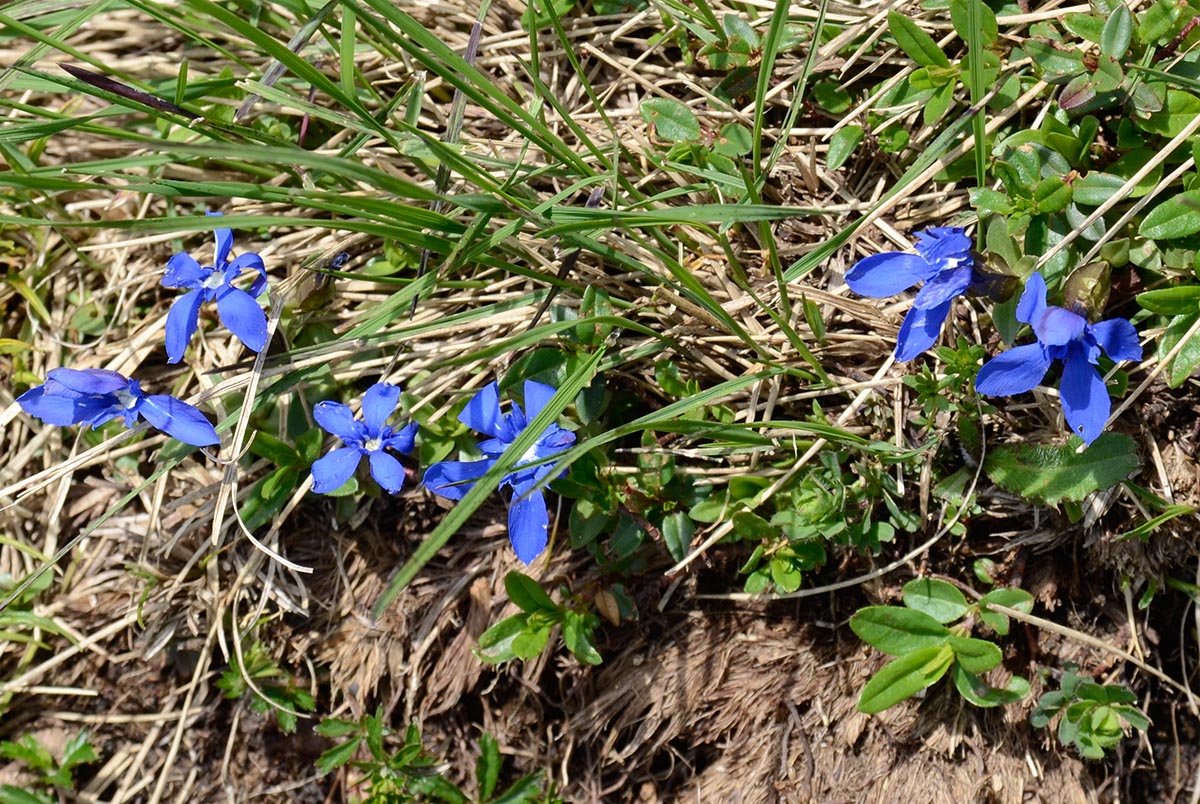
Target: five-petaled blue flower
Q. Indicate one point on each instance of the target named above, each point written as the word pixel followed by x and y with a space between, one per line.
pixel 238 309
pixel 369 437
pixel 943 262
pixel 528 520
pixel 96 396
pixel 1066 336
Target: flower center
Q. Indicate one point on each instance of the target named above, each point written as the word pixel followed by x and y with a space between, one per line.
pixel 213 280
pixel 126 400
pixel 373 444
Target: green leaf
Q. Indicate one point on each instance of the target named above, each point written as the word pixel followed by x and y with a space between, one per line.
pixel 936 106
pixel 1187 359
pixel 842 145
pixel 530 642
pixel 940 600
pixel 677 531
pixel 1180 109
pixel 1173 301
pixel 904 677
pixel 337 756
pixel 980 693
pixel 277 452
pixel 672 121
pixel 15 795
pixel 335 727
pixel 496 643
pixel 897 631
pixel 1134 717
pixel 732 140
pixel 528 595
pixel 487 768
pixel 975 655
pixel 577 636
pixel 1178 216
pixel 918 45
pixel 1050 475
pixel 1079 90
pixel 960 16
pixel 1011 598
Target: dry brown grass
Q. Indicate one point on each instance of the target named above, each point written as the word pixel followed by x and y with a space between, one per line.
pixel 698 700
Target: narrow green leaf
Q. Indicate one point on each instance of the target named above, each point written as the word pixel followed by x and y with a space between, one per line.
pixel 918 45
pixel 337 756
pixel 1187 359
pixel 487 768
pixel 897 631
pixel 904 677
pixel 988 32
pixel 1050 475
pixel 842 145
pixel 940 600
pixel 1180 300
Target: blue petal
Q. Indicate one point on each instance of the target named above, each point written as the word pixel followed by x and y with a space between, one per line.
pixel 1033 300
pixel 1057 326
pixel 453 479
pixel 887 274
pixel 920 330
pixel 243 317
pixel 184 272
pixel 942 245
pixel 253 262
pixel 1118 338
pixel 182 320
pixel 387 471
pixel 337 419
pixel 1016 371
pixel 1085 399
pixel 179 420
pixel 334 469
pixel 57 410
pixel 553 440
pixel 404 440
pixel 528 522
pixel 84 382
pixel 482 413
pixel 224 239
pixel 536 397
pixel 945 286
pixel 378 403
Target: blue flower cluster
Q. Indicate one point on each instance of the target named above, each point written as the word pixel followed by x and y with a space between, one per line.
pixel 947 267
pixel 528 518
pixel 96 396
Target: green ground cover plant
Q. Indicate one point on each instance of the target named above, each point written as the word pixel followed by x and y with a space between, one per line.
pixel 488 359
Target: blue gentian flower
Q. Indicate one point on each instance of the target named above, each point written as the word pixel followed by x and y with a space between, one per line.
pixel 369 437
pixel 238 309
pixel 96 396
pixel 943 262
pixel 528 520
pixel 1066 336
